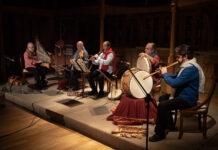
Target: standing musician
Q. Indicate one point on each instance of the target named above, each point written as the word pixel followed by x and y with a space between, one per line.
pixel 151 54
pixel 107 65
pixel 80 53
pixel 32 64
pixel 187 83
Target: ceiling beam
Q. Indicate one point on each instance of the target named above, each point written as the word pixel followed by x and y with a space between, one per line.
pixel 27 11
pixel 88 10
pixel 120 10
pixel 94 10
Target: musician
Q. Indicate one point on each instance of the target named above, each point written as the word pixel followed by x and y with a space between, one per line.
pixel 80 53
pixel 107 65
pixel 32 64
pixel 151 54
pixel 187 83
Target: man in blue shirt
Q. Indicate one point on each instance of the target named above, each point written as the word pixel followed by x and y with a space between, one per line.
pixel 80 53
pixel 186 85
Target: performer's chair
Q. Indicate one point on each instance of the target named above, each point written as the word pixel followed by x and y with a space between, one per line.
pixel 24 72
pixel 83 76
pixel 201 110
pixel 113 78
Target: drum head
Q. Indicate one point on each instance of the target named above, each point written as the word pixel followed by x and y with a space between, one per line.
pixel 135 89
pixel 143 63
pixel 115 94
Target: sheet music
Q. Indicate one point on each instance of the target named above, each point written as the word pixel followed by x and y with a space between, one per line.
pixel 75 65
pixel 82 65
pixel 68 50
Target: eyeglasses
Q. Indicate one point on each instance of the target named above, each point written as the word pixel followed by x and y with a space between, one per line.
pixel 178 56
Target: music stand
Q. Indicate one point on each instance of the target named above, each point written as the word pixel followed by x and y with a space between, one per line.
pixel 80 66
pixel 147 99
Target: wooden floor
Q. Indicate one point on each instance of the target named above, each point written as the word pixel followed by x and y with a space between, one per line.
pixel 42 135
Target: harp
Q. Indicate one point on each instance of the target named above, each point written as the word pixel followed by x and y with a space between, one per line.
pixel 42 54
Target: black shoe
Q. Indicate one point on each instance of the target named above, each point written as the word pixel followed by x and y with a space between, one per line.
pixel 44 83
pixel 2 105
pixel 92 93
pixel 75 89
pixel 37 86
pixel 100 95
pixel 156 138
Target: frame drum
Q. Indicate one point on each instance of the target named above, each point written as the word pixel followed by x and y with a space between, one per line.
pixel 115 94
pixel 143 63
pixel 130 86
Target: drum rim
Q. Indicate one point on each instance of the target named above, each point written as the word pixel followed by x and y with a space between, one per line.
pixel 149 62
pixel 122 78
pixel 109 97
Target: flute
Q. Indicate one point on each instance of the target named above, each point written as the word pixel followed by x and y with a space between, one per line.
pixel 158 71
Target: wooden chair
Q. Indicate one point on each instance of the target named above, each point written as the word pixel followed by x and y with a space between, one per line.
pixel 201 110
pixel 83 76
pixel 113 78
pixel 156 89
pixel 24 72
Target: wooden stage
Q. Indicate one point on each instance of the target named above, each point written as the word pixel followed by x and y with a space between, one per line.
pixel 42 135
pixel 88 116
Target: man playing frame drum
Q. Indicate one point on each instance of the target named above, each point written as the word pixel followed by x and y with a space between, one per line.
pixel 187 83
pixel 151 54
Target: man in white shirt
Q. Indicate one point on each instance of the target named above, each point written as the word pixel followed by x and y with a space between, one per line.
pixel 107 65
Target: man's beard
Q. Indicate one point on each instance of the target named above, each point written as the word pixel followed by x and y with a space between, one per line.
pixel 181 61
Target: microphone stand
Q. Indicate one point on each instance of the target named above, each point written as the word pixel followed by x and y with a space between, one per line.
pixel 147 99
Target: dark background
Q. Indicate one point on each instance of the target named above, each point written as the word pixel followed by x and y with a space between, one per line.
pixel 50 20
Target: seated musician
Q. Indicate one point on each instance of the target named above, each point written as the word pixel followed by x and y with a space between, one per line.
pixel 32 64
pixel 187 83
pixel 151 54
pixel 80 53
pixel 107 65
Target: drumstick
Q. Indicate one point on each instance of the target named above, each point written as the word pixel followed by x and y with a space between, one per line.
pixel 158 71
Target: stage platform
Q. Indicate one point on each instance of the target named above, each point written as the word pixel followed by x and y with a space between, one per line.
pixel 88 116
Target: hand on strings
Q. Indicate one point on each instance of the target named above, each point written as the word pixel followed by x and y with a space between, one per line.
pixel 71 61
pixel 80 60
pixel 49 53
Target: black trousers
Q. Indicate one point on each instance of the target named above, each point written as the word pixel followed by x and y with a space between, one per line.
pixel 39 73
pixel 164 114
pixel 72 77
pixel 96 75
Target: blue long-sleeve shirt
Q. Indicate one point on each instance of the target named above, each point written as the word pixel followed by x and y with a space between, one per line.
pixel 85 55
pixel 186 84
